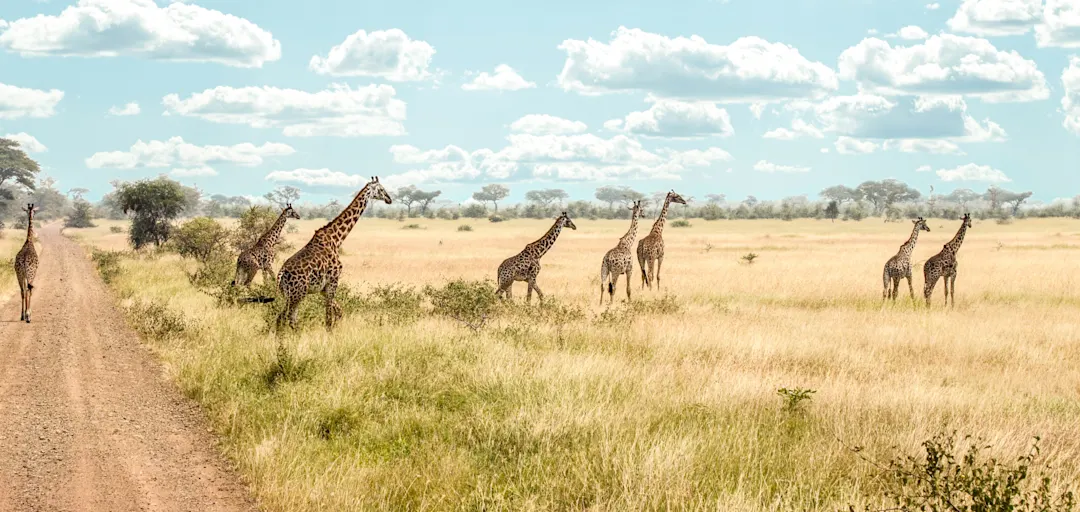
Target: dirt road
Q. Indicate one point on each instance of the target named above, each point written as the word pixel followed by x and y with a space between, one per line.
pixel 87 420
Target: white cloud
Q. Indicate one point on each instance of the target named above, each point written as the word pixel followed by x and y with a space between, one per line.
pixel 824 150
pixel 750 69
pixel 318 178
pixel 177 152
pixel 996 17
pixel 27 142
pixel 769 167
pixel 676 119
pixel 933 6
pixel 757 108
pixel 336 112
pixel 177 32
pixel 946 65
pixel 388 54
pixel 1070 103
pixel 16 102
pixel 936 146
pixel 1060 25
pixel 850 146
pixel 973 172
pixel 131 109
pixel 192 172
pixel 504 79
pixel 543 124
pixel 799 128
pixel 910 33
pixel 924 168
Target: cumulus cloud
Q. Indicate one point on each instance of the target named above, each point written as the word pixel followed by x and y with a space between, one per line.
pixel 504 79
pixel 769 167
pixel 946 65
pixel 192 172
pixel 27 142
pixel 16 102
pixel 131 109
pixel 544 124
pixel 676 119
pixel 910 33
pixel 388 54
pixel 850 146
pixel 1070 103
pixel 177 32
pixel 924 168
pixel 933 6
pixel 973 172
pixel 176 152
pixel 1060 25
pixel 318 178
pixel 749 69
pixel 996 17
pixel 336 112
pixel 799 128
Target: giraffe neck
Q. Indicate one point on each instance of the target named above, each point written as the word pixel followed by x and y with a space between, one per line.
pixel 540 247
pixel 658 226
pixel 627 240
pixel 270 238
pixel 908 246
pixel 335 231
pixel 954 244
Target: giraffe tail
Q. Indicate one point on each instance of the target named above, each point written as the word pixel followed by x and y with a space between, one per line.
pixel 29 286
pixel 644 276
pixel 257 300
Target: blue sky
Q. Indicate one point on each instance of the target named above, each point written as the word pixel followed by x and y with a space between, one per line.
pixel 770 97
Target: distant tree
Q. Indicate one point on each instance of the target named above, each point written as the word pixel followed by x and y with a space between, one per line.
pixel 81 216
pixel 492 194
pixel 840 194
pixel 153 204
pixel 50 201
pixel 715 198
pixel 750 201
pixel 612 195
pixel 16 168
pixel 832 211
pixel 1017 199
pixel 931 201
pixel 283 195
pixel 658 198
pixel 994 196
pixel 962 196
pixel 999 196
pixel 77 193
pixel 885 193
pixel 405 197
pixel 547 196
pixel 425 199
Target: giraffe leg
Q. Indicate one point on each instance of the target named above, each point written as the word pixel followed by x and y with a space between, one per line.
pixel 895 288
pixel 29 295
pixel 532 286
pixel 953 279
pixel 615 284
pixel 22 301
pixel 628 274
pixel 885 285
pixel 928 287
pixel 333 310
pixel 911 288
pixel 652 274
pixel 603 278
pixel 945 282
pixel 269 277
pixel 289 313
pixel 659 262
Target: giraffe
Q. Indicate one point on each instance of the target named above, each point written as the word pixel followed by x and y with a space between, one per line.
pixel 525 265
pixel 899 266
pixel 651 248
pixel 944 265
pixel 316 266
pixel 618 261
pixel 261 255
pixel 26 264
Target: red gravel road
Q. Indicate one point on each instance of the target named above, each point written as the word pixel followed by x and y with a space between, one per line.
pixel 88 421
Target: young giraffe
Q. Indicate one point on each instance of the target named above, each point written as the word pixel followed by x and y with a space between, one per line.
pixel 618 261
pixel 899 266
pixel 316 267
pixel 525 265
pixel 26 264
pixel 261 255
pixel 944 265
pixel 651 248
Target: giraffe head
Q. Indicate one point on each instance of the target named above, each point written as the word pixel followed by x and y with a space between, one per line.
pixel 967 220
pixel 675 198
pixel 290 213
pixel 920 223
pixel 378 192
pixel 636 209
pixel 30 209
pixel 564 220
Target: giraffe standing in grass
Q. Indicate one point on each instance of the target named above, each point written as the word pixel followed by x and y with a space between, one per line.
pixel 525 265
pixel 651 248
pixel 261 255
pixel 316 266
pixel 944 265
pixel 618 261
pixel 899 266
pixel 26 264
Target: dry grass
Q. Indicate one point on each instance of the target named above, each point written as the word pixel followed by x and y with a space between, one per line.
pixel 657 409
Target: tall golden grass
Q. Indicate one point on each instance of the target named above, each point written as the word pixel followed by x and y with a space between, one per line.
pixel 664 408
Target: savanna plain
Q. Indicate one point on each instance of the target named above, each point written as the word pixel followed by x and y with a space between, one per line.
pixel 667 402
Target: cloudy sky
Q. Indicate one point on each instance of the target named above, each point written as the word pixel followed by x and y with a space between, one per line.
pixel 765 97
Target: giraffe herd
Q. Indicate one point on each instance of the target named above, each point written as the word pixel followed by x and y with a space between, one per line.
pixel 316 267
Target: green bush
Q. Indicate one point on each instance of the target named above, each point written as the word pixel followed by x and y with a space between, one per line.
pixel 201 238
pixel 254 223
pixel 464 227
pixel 680 223
pixel 470 302
pixel 107 263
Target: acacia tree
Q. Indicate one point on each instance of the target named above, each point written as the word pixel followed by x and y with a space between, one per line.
pixel 546 196
pixel 962 196
pixel 283 195
pixel 611 195
pixel 152 204
pixel 715 198
pixel 405 197
pixel 492 194
pixel 425 199
pixel 840 194
pixel 16 170
pixel 885 193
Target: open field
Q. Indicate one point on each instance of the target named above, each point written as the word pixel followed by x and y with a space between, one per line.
pixel 672 404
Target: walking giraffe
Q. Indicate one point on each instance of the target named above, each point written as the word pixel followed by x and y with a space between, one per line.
pixel 944 265
pixel 316 266
pixel 26 264
pixel 651 248
pixel 899 266
pixel 618 261
pixel 525 265
pixel 261 255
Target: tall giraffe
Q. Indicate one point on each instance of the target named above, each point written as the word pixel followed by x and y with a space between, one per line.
pixel 618 260
pixel 899 266
pixel 261 255
pixel 316 266
pixel 525 265
pixel 944 265
pixel 651 248
pixel 26 264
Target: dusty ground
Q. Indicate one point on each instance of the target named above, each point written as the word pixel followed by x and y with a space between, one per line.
pixel 86 420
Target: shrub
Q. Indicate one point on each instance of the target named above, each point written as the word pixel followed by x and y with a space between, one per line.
pixel 464 227
pixel 393 304
pixel 496 218
pixel 116 229
pixel 81 216
pixel 411 226
pixel 680 223
pixel 107 263
pixel 200 238
pixel 156 321
pixel 470 302
pixel 474 211
pixel 254 223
